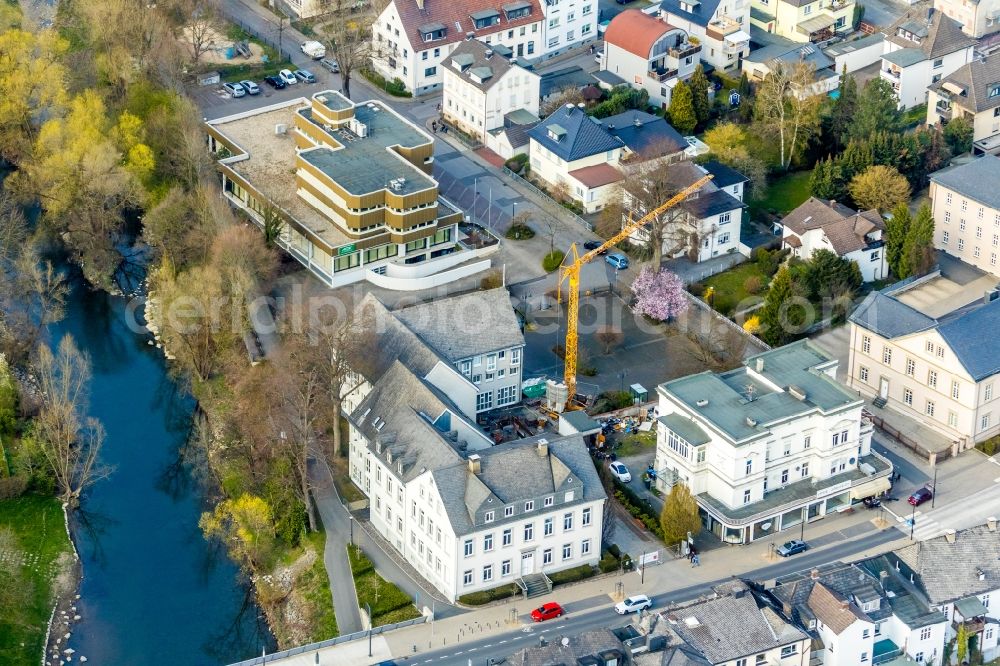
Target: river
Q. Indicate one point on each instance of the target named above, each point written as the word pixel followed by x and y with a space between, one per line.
pixel 153 591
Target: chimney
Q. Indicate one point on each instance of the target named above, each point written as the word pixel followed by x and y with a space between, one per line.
pixel 930 15
pixel 469 36
pixel 759 365
pixel 833 202
pixel 949 536
pixel 581 105
pixel 991 523
pixel 475 464
pixel 542 448
pixel 488 54
pixel 844 604
pixel 420 4
pixel 636 122
pixel 814 574
pixel 569 108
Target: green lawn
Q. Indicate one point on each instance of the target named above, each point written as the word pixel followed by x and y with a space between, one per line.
pixel 730 286
pixel 637 443
pixel 315 587
pixel 388 603
pixel 783 193
pixel 27 596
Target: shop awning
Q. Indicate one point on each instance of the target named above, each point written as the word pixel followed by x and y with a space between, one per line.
pixel 871 488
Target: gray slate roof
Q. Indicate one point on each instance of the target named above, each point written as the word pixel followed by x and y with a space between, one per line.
pixel 843 227
pixel 472 55
pixel 947 572
pixel 393 340
pixel 567 77
pixel 938 36
pixel 979 354
pixel 464 326
pixel 732 626
pixel 978 179
pixel 511 473
pixel 584 136
pixel 645 133
pixel 701 14
pixel 905 57
pixel 975 80
pixel 723 175
pixel 686 429
pixel 591 643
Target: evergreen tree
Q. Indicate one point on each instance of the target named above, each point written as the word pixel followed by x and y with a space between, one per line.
pixel 896 229
pixel 855 159
pixel 828 275
pixel 782 314
pixel 842 112
pixel 682 112
pixel 958 135
pixel 918 248
pixel 826 181
pixel 699 95
pixel 877 111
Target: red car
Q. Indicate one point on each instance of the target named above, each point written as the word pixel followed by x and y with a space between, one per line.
pixel 546 612
pixel 920 496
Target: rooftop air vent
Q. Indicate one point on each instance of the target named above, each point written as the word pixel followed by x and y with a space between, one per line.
pixel 702 403
pixel 751 422
pixel 797 393
pixel 691 622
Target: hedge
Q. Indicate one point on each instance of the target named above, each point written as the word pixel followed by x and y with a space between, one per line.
pixel 552 261
pixel 581 572
pixel 638 508
pixel 396 87
pixel 486 596
pixel 608 563
pixel 360 564
pixel 989 446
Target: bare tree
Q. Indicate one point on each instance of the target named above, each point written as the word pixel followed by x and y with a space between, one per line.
pixel 70 442
pixel 609 337
pixel 565 96
pixel 353 46
pixel 202 26
pixel 787 107
pixel 648 185
pixel 718 346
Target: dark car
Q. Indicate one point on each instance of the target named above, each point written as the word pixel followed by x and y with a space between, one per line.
pixel 546 612
pixel 920 496
pixel 274 82
pixel 593 245
pixel 793 547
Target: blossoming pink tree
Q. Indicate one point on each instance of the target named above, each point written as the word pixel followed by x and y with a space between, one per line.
pixel 658 294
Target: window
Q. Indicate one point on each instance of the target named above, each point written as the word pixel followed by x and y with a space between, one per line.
pixel 938 63
pixel 836 438
pixel 725 218
pixel 887 355
pixel 467 578
pixel 944 238
pixel 553 42
pixel 866 344
pixel 984 423
pixel 911 366
pixel 529 506
pixel 515 356
pixel 508 511
pixel 547 556
pixel 484 401
pixel 567 522
pixel 531 45
pixel 488 517
pixel 965 204
pixel 925 633
pixel 487 573
pixel 548 501
pixel 529 531
pixel 749 467
pixel 585 519
pixel 746 496
pixel 431 71
pixel 547 527
pixel 919 657
pixel 468 547
pixel 908 396
pixel 488 543
pixel 874 256
pixel 807 442
pixel 568 497
pixel 947 217
pixel 506 394
pixel 979 232
pixel 789 650
pixel 567 551
pixel 807 10
pixel 587 9
pixel 864 633
pixel 585 30
pixel 477 379
pixel 988 392
pixel 961 243
pixel 864 657
pixel 863 374
pixel 507 537
pixel 954 389
pixel 961 224
pixel 505 568
pixel 784 476
pixel 724 238
pixel 952 419
pixel 929 408
pixel 932 378
pixel 585 547
pixel 805 469
pixel 940 352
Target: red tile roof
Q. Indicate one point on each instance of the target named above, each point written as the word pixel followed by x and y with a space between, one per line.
pixel 597 175
pixel 450 12
pixel 636 32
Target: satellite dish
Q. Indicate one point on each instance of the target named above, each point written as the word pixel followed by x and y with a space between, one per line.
pixel 565 641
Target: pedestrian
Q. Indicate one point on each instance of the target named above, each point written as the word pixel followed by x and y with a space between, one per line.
pixel 434 126
pixel 696 560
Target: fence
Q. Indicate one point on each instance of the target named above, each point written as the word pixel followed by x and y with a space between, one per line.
pixel 313 647
pixel 705 307
pixel 908 442
pixel 549 201
pixel 479 207
pixel 274 44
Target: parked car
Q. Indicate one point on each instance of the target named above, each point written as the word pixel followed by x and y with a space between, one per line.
pixel 547 611
pixel 598 56
pixel 287 76
pixel 633 604
pixel 234 89
pixel 618 260
pixel 251 87
pixel 331 65
pixel 304 75
pixel 593 245
pixel 920 495
pixel 313 49
pixel 620 472
pixel 274 82
pixel 793 547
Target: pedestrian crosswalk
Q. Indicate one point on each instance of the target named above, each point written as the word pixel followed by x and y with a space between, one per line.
pixel 967 512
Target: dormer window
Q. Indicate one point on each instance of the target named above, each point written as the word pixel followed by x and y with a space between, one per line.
pixel 485 18
pixel 517 10
pixel 556 132
pixel 432 32
pixel 994 90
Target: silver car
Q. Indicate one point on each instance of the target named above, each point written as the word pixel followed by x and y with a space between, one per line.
pixel 304 75
pixel 251 87
pixel 234 89
pixel 331 65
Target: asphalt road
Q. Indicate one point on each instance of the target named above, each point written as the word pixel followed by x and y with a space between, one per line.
pixel 593 613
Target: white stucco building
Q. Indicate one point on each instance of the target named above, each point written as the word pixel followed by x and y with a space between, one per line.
pixel 971 92
pixel 482 86
pixel 768 445
pixel 722 27
pixel 965 200
pixel 828 225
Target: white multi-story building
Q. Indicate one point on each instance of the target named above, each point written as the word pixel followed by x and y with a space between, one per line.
pixel 722 26
pixel 965 200
pixel 828 225
pixel 918 347
pixel 482 85
pixel 412 38
pixel 978 19
pixel 971 92
pixel 921 48
pixel 768 445
pixel 860 614
pixel 648 54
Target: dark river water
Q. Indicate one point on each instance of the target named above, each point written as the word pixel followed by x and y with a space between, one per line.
pixel 154 591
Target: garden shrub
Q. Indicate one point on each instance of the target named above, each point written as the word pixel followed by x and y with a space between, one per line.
pixel 581 572
pixel 552 260
pixel 493 594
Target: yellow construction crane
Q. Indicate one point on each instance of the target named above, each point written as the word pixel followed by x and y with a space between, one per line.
pixel 571 272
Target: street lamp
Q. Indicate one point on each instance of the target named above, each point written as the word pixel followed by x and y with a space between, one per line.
pixel 934 485
pixel 369 609
pixel 802 532
pixel 351 520
pixel 913 520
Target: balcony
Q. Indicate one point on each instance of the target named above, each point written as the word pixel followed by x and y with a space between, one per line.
pixel 659 74
pixel 885 650
pixel 894 73
pixel 943 109
pixel 684 50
